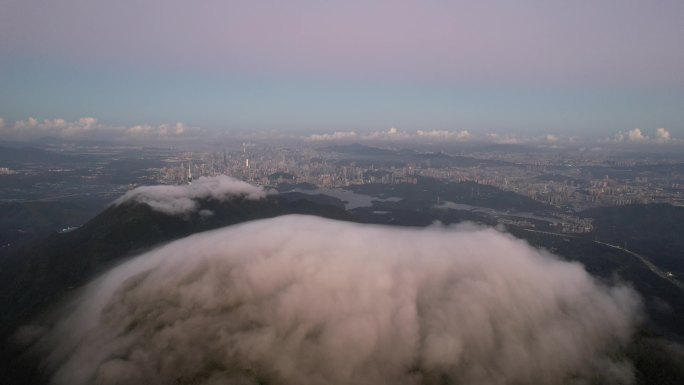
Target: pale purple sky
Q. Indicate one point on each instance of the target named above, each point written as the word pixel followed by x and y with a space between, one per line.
pixel 558 53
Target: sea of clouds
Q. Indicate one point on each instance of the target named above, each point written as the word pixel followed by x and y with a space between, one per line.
pixel 306 300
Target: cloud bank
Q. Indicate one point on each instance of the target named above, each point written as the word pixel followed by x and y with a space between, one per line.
pixel 305 300
pixel 391 134
pixel 337 135
pixel 183 200
pixel 662 135
pixel 443 134
pixel 394 134
pixel 90 128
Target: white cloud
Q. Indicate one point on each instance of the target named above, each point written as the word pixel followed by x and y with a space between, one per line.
pixel 338 135
pixel 161 131
pixel 392 133
pixel 663 135
pixel 548 140
pixel 90 128
pixel 635 135
pixel 296 300
pixel 445 135
pixel 504 139
pixel 183 200
pixel 32 128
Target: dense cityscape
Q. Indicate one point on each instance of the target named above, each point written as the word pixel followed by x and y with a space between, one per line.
pixel 574 183
pixel 341 192
pixel 567 181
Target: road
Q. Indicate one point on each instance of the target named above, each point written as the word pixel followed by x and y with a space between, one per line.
pixel 655 269
pixel 663 274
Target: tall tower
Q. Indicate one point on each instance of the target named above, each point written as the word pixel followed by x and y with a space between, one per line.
pixel 189 172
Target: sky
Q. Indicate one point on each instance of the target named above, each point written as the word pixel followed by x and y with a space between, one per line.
pixel 530 67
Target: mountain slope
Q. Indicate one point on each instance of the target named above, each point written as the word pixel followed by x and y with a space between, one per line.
pixel 37 275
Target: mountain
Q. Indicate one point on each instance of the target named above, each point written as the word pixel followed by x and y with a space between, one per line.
pixel 357 149
pixel 653 230
pixel 23 221
pixel 380 156
pixel 36 275
pixel 427 192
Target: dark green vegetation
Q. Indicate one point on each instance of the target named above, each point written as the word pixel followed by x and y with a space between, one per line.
pixel 663 301
pixel 284 187
pixel 428 192
pixel 657 361
pixel 653 231
pixel 320 199
pixel 34 276
pixel 22 222
pixel 38 276
pixel 656 231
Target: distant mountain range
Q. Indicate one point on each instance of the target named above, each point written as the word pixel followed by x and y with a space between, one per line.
pixel 362 153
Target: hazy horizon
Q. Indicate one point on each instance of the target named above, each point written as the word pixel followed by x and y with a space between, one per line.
pixel 528 69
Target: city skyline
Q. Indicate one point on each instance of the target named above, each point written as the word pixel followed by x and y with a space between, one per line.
pixel 341 192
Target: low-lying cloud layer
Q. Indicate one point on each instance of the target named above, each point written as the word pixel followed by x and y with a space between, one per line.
pixel 305 300
pixel 182 200
pixel 90 128
pixel 635 136
pixel 391 134
pixel 662 136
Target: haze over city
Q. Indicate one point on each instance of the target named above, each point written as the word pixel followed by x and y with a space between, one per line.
pixel 341 192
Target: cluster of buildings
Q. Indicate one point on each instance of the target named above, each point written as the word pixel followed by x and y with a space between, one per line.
pixel 573 185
